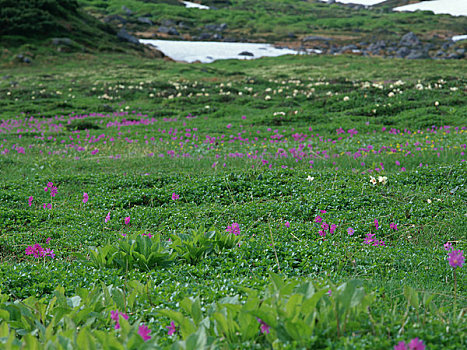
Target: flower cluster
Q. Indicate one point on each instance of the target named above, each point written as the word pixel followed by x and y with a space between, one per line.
pixel 369 239
pixel 234 228
pixel 51 189
pixel 37 251
pixel 175 196
pixel 85 198
pixel 456 258
pixel 171 329
pixel 414 344
pixel 114 315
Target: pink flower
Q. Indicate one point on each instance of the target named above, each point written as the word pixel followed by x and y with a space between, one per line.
pixel 376 224
pixel 393 226
pixel 49 206
pixel 456 258
pixel 107 218
pixel 416 344
pixel 323 211
pixel 171 329
pixel 115 315
pixel 264 326
pixel 350 231
pixel 448 246
pixel 400 346
pixel 30 199
pixel 318 219
pixel 287 224
pixel 324 226
pixel 127 220
pixel 50 184
pixel 229 126
pixel 369 238
pixel 85 197
pixel 144 331
pixel 175 196
pixel 332 229
pixel 47 241
pixel 234 228
pixel 53 191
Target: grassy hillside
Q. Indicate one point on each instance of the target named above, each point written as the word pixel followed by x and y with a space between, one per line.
pixel 285 20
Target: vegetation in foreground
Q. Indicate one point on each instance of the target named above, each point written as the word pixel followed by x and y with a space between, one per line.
pixel 261 204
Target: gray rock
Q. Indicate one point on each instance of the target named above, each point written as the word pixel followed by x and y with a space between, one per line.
pixel 204 36
pixel 291 35
pixel 127 11
pixel 410 40
pixel 62 41
pixel 440 53
pixel 246 53
pixel 454 56
pixel 348 48
pixel 168 22
pixel 115 18
pixel 316 38
pixel 168 30
pixel 377 47
pixel 447 45
pixel 27 60
pixel 460 51
pixel 402 52
pixel 330 2
pixel 416 54
pixel 145 20
pixel 125 36
pixel 217 36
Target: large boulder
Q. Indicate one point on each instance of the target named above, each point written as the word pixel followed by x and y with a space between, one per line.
pixel 416 54
pixel 168 30
pixel 409 40
pixel 125 36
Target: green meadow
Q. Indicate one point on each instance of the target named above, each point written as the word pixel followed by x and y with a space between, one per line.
pixel 300 202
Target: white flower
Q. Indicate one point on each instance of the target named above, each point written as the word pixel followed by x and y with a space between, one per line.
pixel 309 178
pixel 383 179
pixel 429 201
pixel 346 98
pixel 436 104
pixel 373 180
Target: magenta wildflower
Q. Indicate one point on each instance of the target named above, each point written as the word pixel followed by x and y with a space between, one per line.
pixel 30 199
pixel 47 241
pixel 369 238
pixel 175 196
pixel 325 226
pixel 332 228
pixel 115 315
pixel 416 344
pixel 350 231
pixel 329 292
pixel 323 211
pixel 50 184
pixel 318 219
pixel 400 346
pixel 53 191
pixel 49 206
pixel 322 233
pixel 107 218
pixel 148 234
pixel 264 326
pixel 171 329
pixel 287 224
pixel 234 228
pixel 127 220
pixel 448 246
pixel 393 226
pixel 456 258
pixel 376 224
pixel 36 250
pixel 85 197
pixel 144 331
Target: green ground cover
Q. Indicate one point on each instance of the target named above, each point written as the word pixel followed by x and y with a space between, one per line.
pixel 215 195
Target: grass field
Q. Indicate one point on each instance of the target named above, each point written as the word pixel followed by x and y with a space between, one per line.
pixel 295 202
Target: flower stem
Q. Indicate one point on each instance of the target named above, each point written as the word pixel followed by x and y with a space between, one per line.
pixel 455 292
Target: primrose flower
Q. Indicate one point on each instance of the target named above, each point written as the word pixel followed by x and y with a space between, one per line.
pixel 85 197
pixel 30 199
pixel 393 226
pixel 264 326
pixel 376 224
pixel 309 178
pixel 234 228
pixel 350 231
pixel 318 219
pixel 373 180
pixel 287 224
pixel 175 196
pixel 456 258
pixel 448 246
pixel 171 329
pixel 127 220
pixel 144 331
pixel 107 218
pixel 114 315
pixel 369 238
